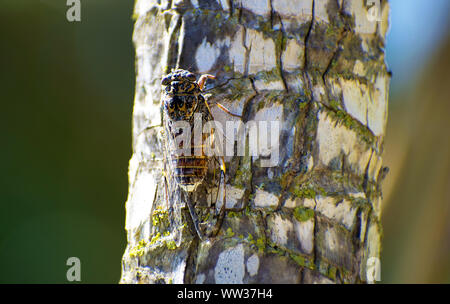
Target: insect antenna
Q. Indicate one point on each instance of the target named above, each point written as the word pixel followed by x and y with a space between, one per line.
pixel 223 108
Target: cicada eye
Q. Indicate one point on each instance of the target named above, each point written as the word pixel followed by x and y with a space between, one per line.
pixel 166 80
pixel 191 77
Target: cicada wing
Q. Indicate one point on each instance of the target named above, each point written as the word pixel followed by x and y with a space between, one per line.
pixel 220 207
pixel 217 142
pixel 174 199
pixel 177 219
pixel 173 192
pixel 221 192
pixel 229 130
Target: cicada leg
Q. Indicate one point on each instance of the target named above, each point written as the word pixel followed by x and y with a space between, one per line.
pixel 223 108
pixel 166 188
pixel 194 217
pixel 221 214
pixel 201 81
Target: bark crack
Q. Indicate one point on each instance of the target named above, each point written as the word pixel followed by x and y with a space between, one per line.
pixel 357 244
pixel 174 47
pixel 247 103
pixel 315 246
pixel 247 51
pixel 280 60
pixel 336 53
pixel 230 4
pixel 190 270
pixel 366 174
pixel 271 14
pixel 308 34
pixel 307 79
pixel 224 83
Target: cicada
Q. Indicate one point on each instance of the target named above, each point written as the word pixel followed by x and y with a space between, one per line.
pixel 186 161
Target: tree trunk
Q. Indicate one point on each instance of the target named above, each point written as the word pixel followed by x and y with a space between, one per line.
pixel 316 67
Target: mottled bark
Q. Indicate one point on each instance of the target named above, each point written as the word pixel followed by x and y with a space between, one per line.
pixel 318 68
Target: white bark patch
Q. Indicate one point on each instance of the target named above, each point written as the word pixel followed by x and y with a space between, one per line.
pixel 305 235
pixel 230 267
pixel 366 39
pixel 383 25
pixel 206 55
pixel 378 206
pixel 318 91
pixel 359 68
pixel 237 52
pixel 324 280
pixel 356 99
pixel 200 278
pixel 267 146
pixel 139 204
pixel 293 56
pixel 335 140
pixel 377 111
pixel 258 7
pixel 358 195
pixel 331 240
pixel 307 202
pixel 261 85
pixel 310 163
pixel 362 231
pixel 374 166
pixel 273 113
pixel 145 62
pixel 142 7
pixel 233 194
pixel 363 24
pixel 320 10
pixel 279 229
pixel 292 8
pixel 133 166
pixel 270 173
pixel 343 212
pixel 143 151
pixel 262 54
pixel 225 4
pixel 264 199
pixel 178 274
pixel 295 82
pixel 373 242
pixel 253 265
pixel 195 3
pixel 290 203
pixel 151 113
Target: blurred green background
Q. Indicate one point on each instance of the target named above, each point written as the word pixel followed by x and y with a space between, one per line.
pixel 66 102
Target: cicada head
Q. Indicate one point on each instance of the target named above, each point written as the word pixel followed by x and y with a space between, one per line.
pixel 180 94
pixel 178 75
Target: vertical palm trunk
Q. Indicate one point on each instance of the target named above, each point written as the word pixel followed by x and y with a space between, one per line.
pixel 316 67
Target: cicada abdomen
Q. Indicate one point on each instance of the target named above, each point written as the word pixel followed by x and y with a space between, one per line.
pixel 184 112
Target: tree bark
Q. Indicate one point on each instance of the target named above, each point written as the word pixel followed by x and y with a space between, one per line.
pixel 315 66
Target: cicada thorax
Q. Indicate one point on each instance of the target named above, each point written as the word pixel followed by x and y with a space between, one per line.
pixel 183 105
